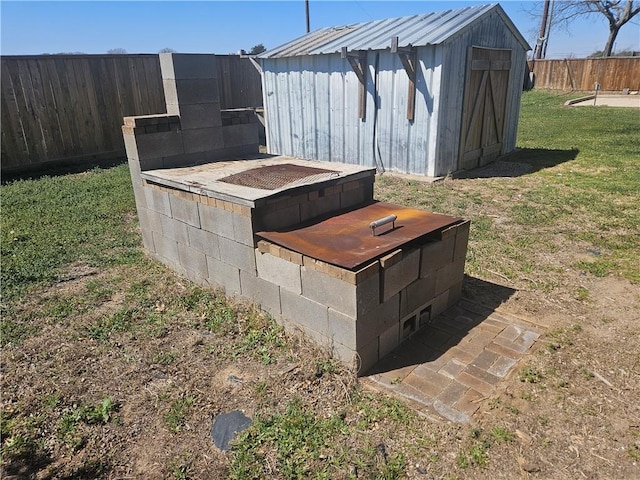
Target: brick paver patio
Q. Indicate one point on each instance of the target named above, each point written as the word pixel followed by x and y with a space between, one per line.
pixel 452 364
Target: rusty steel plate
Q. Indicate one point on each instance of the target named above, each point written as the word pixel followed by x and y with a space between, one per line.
pixel 271 177
pixel 347 240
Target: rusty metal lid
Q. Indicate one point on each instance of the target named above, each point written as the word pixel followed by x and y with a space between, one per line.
pixel 347 240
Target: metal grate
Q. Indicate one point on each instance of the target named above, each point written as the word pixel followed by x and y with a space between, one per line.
pixel 272 177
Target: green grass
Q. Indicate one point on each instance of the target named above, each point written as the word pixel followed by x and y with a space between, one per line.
pixel 297 443
pixel 583 190
pixel 176 417
pixel 581 196
pixel 52 222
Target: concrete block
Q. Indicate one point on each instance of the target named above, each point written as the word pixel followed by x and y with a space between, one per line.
pixel 274 219
pixel 203 241
pixel 151 164
pixel 436 255
pixel 183 160
pixel 320 206
pixel 440 304
pixel 237 254
pixel 330 291
pixel 306 312
pixel 346 355
pixel 154 221
pixel 188 65
pixel 319 339
pixel 398 275
pixel 450 275
pixel 184 210
pixel 224 275
pixel 201 115
pixel 263 293
pixel 417 294
pixel 342 329
pixel 389 340
pixel 243 134
pixel 130 146
pixel 353 197
pixel 243 229
pixel 279 272
pixel 147 241
pixel 455 294
pixel 373 321
pixel 368 355
pixel 193 260
pixel 216 220
pixel 202 139
pixel 157 145
pixel 190 91
pixel 166 248
pixel 230 153
pixel 157 201
pixel 462 241
pixel 174 229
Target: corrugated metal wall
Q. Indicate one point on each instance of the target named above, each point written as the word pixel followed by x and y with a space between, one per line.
pixel 311 105
pixel 488 32
pixel 312 110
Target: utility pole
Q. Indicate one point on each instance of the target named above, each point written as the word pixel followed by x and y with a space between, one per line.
pixel 306 4
pixel 548 33
pixel 542 38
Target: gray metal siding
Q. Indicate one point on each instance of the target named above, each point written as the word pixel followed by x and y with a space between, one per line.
pixel 489 32
pixel 311 104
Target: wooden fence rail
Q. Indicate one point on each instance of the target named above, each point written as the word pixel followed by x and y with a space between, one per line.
pixel 613 73
pixel 70 107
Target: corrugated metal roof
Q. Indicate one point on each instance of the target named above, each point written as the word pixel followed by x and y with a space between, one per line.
pixel 415 30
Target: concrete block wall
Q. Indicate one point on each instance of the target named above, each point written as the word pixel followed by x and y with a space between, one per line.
pixel 359 316
pixel 192 131
pixel 362 316
pixel 287 210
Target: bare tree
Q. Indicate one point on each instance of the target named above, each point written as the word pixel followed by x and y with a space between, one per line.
pixel 117 51
pixel 617 13
pixel 167 50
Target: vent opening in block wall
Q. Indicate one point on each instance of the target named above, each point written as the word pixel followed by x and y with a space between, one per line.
pixel 425 317
pixel 408 327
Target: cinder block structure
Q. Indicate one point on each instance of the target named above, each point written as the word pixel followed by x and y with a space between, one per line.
pixel 291 235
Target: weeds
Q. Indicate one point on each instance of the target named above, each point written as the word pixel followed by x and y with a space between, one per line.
pixel 530 375
pixel 176 417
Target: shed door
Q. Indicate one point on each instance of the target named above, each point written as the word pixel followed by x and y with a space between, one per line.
pixel 485 100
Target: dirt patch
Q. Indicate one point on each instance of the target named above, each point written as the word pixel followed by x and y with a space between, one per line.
pixel 122 370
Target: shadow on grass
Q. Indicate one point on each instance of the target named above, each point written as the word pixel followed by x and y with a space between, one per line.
pixel 479 301
pixel 59 168
pixel 520 162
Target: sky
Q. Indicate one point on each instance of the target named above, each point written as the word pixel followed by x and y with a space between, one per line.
pixel 94 27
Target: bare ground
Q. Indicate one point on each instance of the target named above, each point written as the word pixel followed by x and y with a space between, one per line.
pixel 570 410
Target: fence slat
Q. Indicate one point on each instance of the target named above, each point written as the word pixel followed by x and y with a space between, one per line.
pixel 613 73
pixel 70 107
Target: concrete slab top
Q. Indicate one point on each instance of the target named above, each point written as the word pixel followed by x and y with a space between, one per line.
pixel 606 100
pixel 206 179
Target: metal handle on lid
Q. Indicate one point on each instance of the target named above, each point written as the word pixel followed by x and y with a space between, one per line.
pixel 383 221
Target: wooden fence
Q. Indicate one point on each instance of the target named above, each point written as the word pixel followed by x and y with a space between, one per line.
pixel 613 73
pixel 70 107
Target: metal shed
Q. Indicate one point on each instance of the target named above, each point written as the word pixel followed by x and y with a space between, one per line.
pixel 425 94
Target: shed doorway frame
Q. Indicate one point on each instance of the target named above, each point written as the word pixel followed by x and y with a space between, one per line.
pixel 485 103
